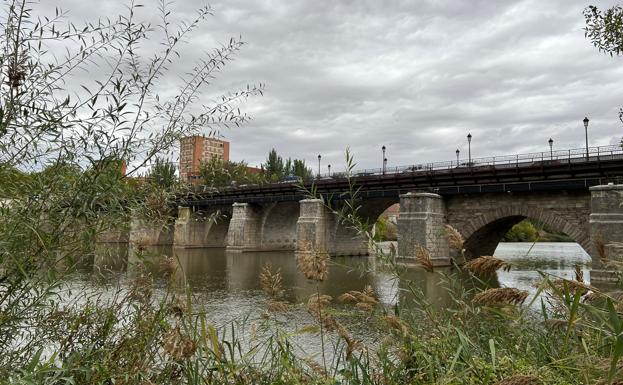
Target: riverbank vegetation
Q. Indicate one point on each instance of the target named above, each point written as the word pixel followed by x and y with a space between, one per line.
pixel 60 152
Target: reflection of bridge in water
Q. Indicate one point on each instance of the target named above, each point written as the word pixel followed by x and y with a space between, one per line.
pixel 482 198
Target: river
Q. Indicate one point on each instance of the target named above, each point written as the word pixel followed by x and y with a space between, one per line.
pixel 227 285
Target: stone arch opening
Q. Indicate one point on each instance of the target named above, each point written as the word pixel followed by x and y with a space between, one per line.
pixel 216 236
pixel 484 239
pixel 278 231
pixel 345 239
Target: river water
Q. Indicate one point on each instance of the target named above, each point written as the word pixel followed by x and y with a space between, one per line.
pixel 227 285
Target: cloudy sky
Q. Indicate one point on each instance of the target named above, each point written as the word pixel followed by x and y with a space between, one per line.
pixel 415 76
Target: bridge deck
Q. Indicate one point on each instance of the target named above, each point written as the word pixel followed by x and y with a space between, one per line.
pixel 536 175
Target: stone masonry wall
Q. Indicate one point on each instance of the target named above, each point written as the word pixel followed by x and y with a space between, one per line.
pixel 484 218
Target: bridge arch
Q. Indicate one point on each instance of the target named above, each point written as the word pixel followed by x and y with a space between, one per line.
pixel 484 231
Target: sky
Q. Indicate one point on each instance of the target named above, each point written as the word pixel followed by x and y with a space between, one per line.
pixel 414 76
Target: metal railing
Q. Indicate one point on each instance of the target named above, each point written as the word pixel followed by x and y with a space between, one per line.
pixel 545 158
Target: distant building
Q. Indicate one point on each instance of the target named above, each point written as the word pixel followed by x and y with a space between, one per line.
pixel 197 149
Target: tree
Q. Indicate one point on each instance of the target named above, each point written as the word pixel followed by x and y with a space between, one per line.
pixel 130 107
pixel 605 31
pixel 523 231
pixel 300 169
pixel 274 167
pixel 162 174
pixel 219 173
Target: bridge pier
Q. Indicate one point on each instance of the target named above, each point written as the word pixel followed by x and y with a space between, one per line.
pixel 150 233
pixel 244 232
pixel 200 228
pixel 421 223
pixel 320 229
pixel 311 226
pixel 606 231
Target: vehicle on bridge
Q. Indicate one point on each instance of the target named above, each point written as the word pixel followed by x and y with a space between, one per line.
pixel 291 179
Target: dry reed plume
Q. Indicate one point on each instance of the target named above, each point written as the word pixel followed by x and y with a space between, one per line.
pixel 486 265
pixel 277 306
pixel 500 296
pixel 313 263
pixel 422 256
pixel 351 344
pixel 563 286
pixel 168 266
pixel 396 323
pixel 141 288
pixel 601 247
pixel 520 380
pixel 364 300
pixel 177 307
pixel 178 345
pixel 579 275
pixel 271 283
pixel 315 306
pixel 455 239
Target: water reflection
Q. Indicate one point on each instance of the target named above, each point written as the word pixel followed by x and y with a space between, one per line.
pixel 229 282
pixel 557 259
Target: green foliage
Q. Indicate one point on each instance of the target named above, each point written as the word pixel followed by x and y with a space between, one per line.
pixel 275 169
pixel 523 231
pixel 162 174
pixel 384 230
pixel 219 173
pixel 301 170
pixel 605 31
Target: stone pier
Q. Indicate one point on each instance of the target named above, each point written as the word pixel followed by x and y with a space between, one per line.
pixel 195 228
pixel 150 233
pixel 421 223
pixel 245 228
pixel 606 230
pixel 311 228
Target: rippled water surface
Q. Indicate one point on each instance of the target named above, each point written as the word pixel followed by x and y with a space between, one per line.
pixel 227 285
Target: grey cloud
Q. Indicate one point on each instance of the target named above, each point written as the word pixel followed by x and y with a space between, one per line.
pixel 416 76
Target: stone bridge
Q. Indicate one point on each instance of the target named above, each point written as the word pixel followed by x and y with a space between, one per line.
pixel 483 200
pixel 593 217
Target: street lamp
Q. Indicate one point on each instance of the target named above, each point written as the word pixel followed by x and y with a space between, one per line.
pixel 384 165
pixel 384 159
pixel 551 151
pixel 586 134
pixel 457 157
pixel 329 166
pixel 319 157
pixel 469 148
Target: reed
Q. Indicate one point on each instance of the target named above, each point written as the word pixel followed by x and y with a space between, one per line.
pixel 486 265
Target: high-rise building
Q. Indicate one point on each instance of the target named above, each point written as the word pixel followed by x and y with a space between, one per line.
pixel 197 149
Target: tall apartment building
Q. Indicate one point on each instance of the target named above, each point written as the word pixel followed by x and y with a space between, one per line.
pixel 197 149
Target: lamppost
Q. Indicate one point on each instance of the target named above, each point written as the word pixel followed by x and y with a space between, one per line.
pixel 469 148
pixel 384 165
pixel 586 134
pixel 457 157
pixel 551 151
pixel 384 159
pixel 329 166
pixel 319 157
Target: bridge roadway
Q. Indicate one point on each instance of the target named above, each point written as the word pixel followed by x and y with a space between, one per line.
pixel 573 172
